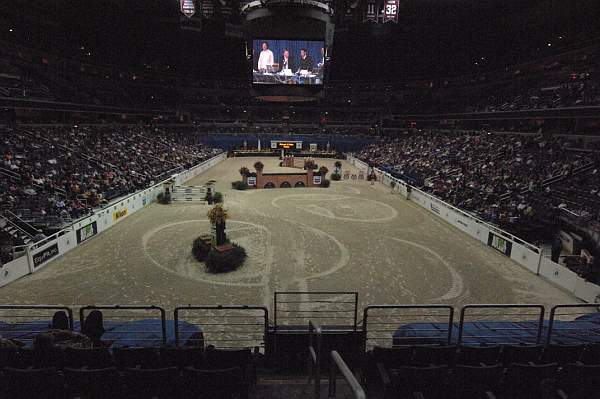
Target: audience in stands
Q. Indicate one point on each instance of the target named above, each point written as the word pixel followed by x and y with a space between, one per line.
pixel 63 173
pixel 506 179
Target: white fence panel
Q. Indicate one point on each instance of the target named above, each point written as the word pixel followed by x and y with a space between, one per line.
pixel 14 270
pixel 559 275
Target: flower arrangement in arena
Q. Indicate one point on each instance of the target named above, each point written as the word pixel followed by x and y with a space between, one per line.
pixel 215 250
pixel 218 215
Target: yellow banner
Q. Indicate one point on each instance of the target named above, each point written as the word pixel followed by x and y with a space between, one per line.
pixel 119 214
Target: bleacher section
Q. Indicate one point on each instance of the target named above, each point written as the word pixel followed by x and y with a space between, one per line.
pixel 51 175
pixel 506 179
pixel 227 351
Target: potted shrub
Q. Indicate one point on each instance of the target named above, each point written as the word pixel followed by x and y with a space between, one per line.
pixel 201 248
pixel 218 197
pixel 309 164
pixel 259 166
pixel 323 170
pixel 221 262
pixel 239 185
pixel 244 171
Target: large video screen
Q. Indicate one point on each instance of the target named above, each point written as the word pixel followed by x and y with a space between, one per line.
pixel 295 62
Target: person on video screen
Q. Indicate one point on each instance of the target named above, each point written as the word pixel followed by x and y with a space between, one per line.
pixel 306 62
pixel 286 61
pixel 322 63
pixel 266 57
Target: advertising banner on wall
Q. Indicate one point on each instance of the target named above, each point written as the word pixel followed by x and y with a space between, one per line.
pixel 119 214
pixel 87 232
pixel 45 255
pixel 499 244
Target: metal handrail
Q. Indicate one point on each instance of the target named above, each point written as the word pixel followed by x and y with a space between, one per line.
pixel 221 308
pixel 314 361
pixel 553 315
pixel 539 308
pixel 163 320
pixel 339 364
pixel 425 308
pixel 66 309
pixel 353 301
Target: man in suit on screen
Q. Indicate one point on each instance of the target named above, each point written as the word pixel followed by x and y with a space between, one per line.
pixel 306 62
pixel 286 61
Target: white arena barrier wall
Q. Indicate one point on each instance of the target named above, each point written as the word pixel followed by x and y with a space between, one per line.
pixel 40 254
pixel 527 255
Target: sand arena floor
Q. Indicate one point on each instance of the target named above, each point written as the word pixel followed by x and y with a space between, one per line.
pixel 352 237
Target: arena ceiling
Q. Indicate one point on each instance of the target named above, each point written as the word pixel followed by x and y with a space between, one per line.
pixel 431 37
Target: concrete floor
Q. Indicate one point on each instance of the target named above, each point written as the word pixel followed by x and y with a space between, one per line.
pixel 353 236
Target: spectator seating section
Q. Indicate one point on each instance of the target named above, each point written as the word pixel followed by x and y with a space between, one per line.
pixel 64 172
pixel 137 372
pixel 526 372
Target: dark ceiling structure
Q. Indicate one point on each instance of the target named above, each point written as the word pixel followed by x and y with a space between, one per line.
pixel 432 37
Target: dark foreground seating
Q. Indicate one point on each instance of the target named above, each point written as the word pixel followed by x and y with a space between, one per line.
pixel 92 384
pixel 213 384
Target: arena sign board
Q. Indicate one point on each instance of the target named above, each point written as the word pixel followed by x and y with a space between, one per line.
pixel 87 232
pixel 286 145
pixel 119 214
pixel 45 255
pixel 499 244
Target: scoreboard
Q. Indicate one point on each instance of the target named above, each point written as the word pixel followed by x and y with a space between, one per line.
pixel 286 145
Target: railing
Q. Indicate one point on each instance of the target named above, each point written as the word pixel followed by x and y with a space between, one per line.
pixel 332 308
pixel 380 322
pixel 315 342
pixel 50 238
pixel 22 226
pixel 582 328
pixel 490 314
pixel 30 320
pixel 132 313
pixel 224 326
pixel 337 363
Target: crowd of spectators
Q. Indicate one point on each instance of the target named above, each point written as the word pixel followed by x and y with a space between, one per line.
pixel 503 178
pixel 63 173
